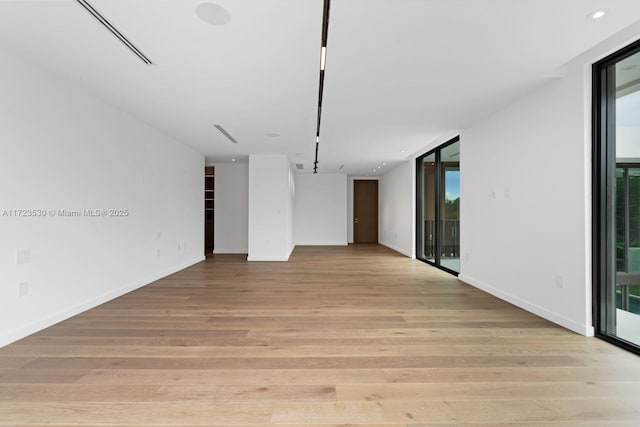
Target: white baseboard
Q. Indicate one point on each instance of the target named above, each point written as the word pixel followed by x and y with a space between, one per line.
pixel 50 320
pixel 341 243
pixel 267 258
pixel 398 249
pixel 231 251
pixel 271 257
pixel 582 329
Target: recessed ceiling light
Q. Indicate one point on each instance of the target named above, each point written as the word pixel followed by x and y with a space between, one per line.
pixel 213 14
pixel 233 160
pixel 402 151
pixel 384 164
pixel 597 14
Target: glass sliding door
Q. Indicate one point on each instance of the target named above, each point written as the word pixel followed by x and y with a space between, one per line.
pixel 438 206
pixel 450 207
pixel 427 220
pixel 616 183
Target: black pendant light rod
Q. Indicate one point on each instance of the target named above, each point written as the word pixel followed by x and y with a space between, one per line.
pixel 323 58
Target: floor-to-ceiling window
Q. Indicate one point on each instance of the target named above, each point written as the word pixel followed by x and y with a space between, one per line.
pixel 438 206
pixel 616 236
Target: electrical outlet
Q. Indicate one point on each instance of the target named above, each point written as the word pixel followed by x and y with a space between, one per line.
pixel 23 289
pixel 159 235
pixel 559 281
pixel 493 194
pixel 467 257
pixel 179 247
pixel 158 252
pixel 507 193
pixel 23 256
pixel 185 246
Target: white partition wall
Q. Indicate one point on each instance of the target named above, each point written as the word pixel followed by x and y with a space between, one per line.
pixel 271 219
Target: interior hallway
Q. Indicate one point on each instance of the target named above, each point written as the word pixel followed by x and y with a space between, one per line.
pixel 354 335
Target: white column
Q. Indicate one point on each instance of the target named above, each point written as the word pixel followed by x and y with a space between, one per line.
pixel 271 192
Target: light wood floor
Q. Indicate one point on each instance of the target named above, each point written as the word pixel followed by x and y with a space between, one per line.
pixel 353 335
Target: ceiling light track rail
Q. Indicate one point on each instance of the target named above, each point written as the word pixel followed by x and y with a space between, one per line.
pixel 323 61
pixel 113 30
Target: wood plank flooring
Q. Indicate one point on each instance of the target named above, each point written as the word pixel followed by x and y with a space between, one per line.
pixel 338 336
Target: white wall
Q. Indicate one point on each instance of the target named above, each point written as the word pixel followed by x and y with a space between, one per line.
pixel 231 208
pixel 321 209
pixel 397 202
pixel 271 195
pixel 63 149
pixel 289 209
pixel 532 156
pixel 350 180
pixel 536 157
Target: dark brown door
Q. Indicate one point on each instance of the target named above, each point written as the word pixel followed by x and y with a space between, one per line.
pixel 365 211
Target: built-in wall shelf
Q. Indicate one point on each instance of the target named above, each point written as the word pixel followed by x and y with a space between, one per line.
pixel 209 208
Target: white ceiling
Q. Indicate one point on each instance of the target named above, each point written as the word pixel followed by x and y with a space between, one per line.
pixel 400 73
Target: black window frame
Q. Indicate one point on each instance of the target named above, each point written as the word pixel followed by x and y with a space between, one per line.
pixel 603 174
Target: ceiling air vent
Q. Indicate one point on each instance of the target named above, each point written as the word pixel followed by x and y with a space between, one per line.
pixel 299 166
pixel 113 30
pixel 225 133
